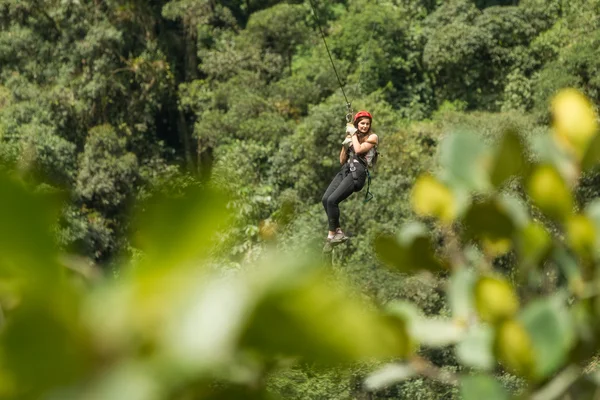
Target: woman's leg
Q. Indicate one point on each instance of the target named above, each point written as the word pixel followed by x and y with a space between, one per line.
pixel 337 179
pixel 343 190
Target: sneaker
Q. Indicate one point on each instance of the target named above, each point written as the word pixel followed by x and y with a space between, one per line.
pixel 328 248
pixel 338 238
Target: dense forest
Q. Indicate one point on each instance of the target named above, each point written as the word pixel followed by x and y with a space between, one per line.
pixel 161 171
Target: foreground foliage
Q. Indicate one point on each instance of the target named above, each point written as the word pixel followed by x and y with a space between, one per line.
pixel 545 334
pixel 106 102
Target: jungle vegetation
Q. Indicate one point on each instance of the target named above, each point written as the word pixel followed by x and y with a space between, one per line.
pixel 161 170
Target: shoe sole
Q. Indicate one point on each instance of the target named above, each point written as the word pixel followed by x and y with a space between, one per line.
pixel 336 242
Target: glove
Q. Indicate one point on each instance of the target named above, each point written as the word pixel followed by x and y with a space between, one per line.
pixel 347 143
pixel 350 129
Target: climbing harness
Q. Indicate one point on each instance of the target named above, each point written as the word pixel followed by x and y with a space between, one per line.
pixel 352 167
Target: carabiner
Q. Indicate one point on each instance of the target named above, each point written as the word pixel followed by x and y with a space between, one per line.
pixel 349 114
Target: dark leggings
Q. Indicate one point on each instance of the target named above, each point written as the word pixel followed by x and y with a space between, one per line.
pixel 340 188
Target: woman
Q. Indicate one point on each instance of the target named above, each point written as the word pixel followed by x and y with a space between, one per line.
pixel 358 146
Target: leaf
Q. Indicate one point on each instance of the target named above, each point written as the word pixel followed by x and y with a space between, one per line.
pixel 592 154
pixel 515 208
pixel 27 249
pixel 389 375
pixel 488 219
pixel 551 330
pixel 549 192
pixel 581 235
pixel 431 332
pixel 575 122
pixel 489 223
pixel 410 251
pixel 314 319
pixel 180 229
pixel 436 332
pixel 460 294
pixel 561 382
pixel 570 269
pixel 464 162
pixel 431 198
pixel 509 159
pixel 533 244
pixel 476 349
pixel 43 347
pixel 513 348
pixel 482 387
pixel 592 211
pixel 128 380
pixel 205 332
pixel 495 299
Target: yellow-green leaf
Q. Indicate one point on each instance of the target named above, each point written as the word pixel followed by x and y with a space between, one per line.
pixel 495 299
pixel 574 121
pixel 513 348
pixel 549 192
pixel 431 198
pixel 581 235
pixel 509 159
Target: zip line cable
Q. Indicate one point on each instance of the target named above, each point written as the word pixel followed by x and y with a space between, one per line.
pixel 348 105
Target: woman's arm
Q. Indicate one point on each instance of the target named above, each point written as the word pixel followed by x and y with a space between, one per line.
pixel 365 146
pixel 343 156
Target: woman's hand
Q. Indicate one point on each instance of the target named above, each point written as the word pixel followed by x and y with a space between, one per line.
pixel 350 129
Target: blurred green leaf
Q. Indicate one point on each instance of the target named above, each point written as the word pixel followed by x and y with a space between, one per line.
pixel 495 299
pixel 127 380
pixel 488 219
pixel 403 309
pixel 509 159
pixel 180 229
pixel 556 388
pixel 204 330
pixel 592 210
pixel 513 348
pixel 591 156
pixel 460 294
pixel 533 244
pixel 388 375
pixel 27 248
pixel 550 192
pixel 432 198
pixel 436 332
pixel 431 332
pixel 515 208
pixel 581 235
pixel 476 349
pixel 410 251
pixel 464 161
pixel 489 223
pixel 320 322
pixel 482 387
pixel 44 347
pixel 552 334
pixel 569 267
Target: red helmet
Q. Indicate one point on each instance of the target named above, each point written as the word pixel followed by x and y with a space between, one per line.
pixel 361 114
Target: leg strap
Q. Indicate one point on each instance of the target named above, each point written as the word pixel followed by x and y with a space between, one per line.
pixel 354 175
pixel 368 195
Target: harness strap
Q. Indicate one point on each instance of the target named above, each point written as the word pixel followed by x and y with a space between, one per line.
pixel 352 156
pixel 368 196
pixel 353 171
